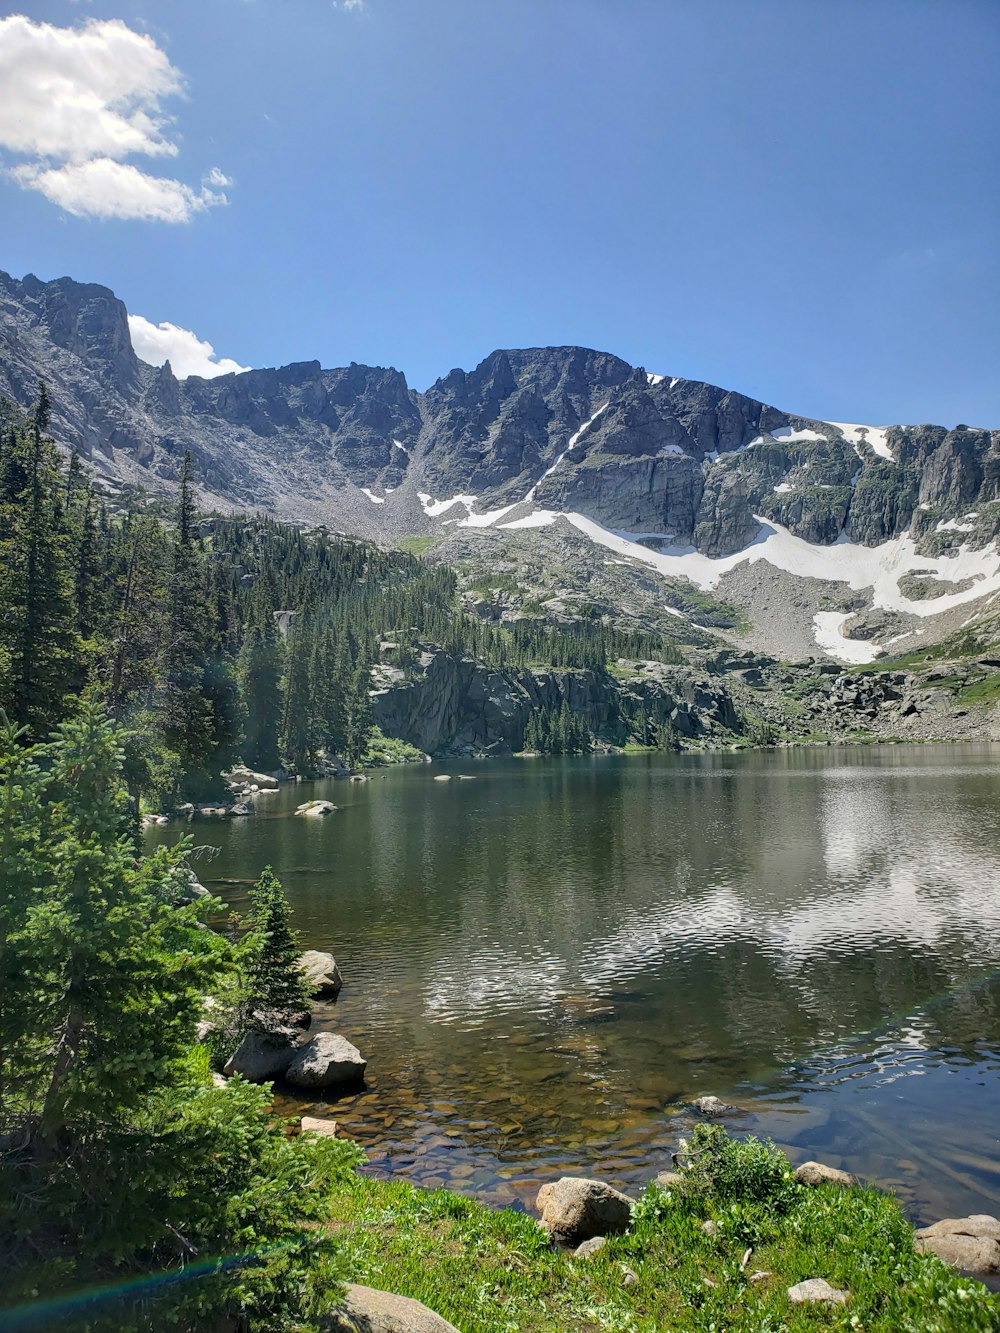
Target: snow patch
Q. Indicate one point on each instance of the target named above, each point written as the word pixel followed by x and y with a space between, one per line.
pixel 488 519
pixel 877 567
pixel 655 379
pixel 398 445
pixel 783 488
pixel 828 633
pixel 672 449
pixel 375 499
pixel 875 436
pixel 787 433
pixel 574 439
pixel 432 508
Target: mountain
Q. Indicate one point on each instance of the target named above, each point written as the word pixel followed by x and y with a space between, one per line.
pixel 826 536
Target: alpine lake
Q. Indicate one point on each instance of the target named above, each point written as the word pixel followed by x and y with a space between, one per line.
pixel 546 960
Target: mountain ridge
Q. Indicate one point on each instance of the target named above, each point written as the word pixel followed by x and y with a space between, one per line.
pixel 672 465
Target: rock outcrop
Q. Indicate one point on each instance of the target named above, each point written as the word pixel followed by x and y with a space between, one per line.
pixel 453 706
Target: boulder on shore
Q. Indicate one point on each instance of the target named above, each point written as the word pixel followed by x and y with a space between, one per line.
pixel 326 1061
pixel 971 1244
pixel 817 1173
pixel 241 776
pixel 321 971
pixel 365 1310
pixel 575 1209
pixel 263 1055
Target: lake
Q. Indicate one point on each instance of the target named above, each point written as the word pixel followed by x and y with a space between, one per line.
pixel 545 964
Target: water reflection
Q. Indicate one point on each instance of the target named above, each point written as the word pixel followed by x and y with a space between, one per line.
pixel 544 964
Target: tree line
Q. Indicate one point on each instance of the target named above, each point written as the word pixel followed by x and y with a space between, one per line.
pixel 217 639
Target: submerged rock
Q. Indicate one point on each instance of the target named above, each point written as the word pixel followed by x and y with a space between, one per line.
pixel 321 971
pixel 969 1243
pixel 575 1209
pixel 366 1310
pixel 326 1061
pixel 816 1173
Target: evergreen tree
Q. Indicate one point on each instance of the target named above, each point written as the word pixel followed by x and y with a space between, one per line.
pixel 273 979
pixel 118 1159
pixel 259 674
pixel 39 646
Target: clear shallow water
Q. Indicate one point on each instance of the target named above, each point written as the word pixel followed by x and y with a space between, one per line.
pixel 543 965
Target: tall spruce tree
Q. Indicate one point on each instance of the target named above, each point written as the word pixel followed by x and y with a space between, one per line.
pixel 273 979
pixel 259 673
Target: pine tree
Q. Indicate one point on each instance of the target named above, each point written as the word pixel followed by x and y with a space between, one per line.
pixel 187 712
pixel 359 716
pixel 273 980
pixel 39 646
pixel 259 674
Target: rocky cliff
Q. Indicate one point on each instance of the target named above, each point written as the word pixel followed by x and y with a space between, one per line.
pixel 452 706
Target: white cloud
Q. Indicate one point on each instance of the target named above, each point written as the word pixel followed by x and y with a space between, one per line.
pixel 186 352
pixel 102 188
pixel 76 102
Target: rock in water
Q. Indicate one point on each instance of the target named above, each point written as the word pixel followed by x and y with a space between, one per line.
pixel 263 1055
pixel 816 1173
pixel 713 1107
pixel 326 1061
pixel 575 1209
pixel 322 973
pixel 311 1124
pixel 366 1310
pixel 818 1291
pixel 969 1243
pixel 316 809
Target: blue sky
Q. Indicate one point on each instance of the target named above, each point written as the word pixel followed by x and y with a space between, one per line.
pixel 794 198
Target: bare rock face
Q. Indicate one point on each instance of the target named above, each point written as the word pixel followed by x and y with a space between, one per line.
pixel 816 1173
pixel 366 1310
pixel 264 1055
pixel 575 1209
pixel 816 1290
pixel 326 1061
pixel 321 971
pixel 971 1244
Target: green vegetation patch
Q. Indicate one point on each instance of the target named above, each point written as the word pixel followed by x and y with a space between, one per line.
pixel 418 545
pixel 494 1271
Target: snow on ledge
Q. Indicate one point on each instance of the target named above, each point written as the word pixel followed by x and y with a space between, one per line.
pixel 828 633
pixel 432 508
pixel 874 434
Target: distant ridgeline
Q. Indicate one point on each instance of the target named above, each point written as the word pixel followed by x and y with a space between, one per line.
pixel 218 639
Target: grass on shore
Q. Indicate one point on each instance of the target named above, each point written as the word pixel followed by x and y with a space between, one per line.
pixel 494 1271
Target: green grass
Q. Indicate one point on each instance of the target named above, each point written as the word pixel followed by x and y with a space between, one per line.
pixel 986 690
pixel 493 1271
pixel 417 545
